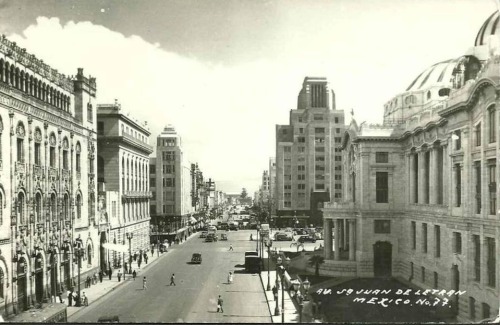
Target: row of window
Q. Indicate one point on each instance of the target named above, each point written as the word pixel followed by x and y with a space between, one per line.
pixel 457 249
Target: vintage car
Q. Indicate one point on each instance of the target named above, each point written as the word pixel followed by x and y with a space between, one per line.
pixel 223 236
pixel 196 258
pixel 306 238
pixel 204 234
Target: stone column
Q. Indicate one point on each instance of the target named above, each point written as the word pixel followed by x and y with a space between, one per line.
pixel 413 194
pixel 337 239
pixel 328 238
pixel 433 172
pixel 344 233
pixel 352 248
pixel 341 234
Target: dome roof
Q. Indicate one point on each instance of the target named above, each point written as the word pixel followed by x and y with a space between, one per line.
pixel 490 27
pixel 439 73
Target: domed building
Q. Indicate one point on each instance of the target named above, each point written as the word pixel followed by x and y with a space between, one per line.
pixel 420 199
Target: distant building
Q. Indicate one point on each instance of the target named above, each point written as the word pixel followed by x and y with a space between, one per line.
pixel 272 186
pixel 308 163
pixel 123 182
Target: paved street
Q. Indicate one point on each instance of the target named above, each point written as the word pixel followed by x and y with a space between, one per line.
pixel 194 297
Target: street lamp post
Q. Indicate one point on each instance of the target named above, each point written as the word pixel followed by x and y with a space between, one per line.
pixel 257 247
pixel 79 254
pixel 278 264
pixel 283 270
pixel 269 243
pixel 129 235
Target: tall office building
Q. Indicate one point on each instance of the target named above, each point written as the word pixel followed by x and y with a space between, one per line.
pixel 307 161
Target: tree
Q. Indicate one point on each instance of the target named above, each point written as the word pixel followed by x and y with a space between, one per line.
pixel 244 193
pixel 316 261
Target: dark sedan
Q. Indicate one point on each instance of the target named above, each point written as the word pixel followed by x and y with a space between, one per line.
pixel 307 238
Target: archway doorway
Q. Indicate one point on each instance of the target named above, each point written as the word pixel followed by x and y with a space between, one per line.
pixel 39 278
pixel 382 259
pixel 54 284
pixel 22 288
pixel 102 252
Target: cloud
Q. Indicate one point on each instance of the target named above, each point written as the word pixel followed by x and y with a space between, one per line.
pixel 224 115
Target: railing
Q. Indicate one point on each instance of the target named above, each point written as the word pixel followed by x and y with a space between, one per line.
pixel 138 194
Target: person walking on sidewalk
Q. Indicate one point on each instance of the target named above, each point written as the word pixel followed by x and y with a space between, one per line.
pixel 134 274
pixel 144 286
pixel 172 279
pixel 70 297
pixel 94 278
pixel 100 276
pixel 119 275
pixel 230 278
pixel 85 300
pixel 219 304
pixel 230 247
pixel 146 258
pixel 110 273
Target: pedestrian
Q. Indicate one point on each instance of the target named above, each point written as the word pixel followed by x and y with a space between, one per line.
pixel 119 275
pixel 146 258
pixel 230 278
pixel 219 304
pixel 134 274
pixel 172 279
pixel 135 256
pixel 110 273
pixel 144 286
pixel 230 247
pixel 85 299
pixel 76 298
pixel 87 281
pixel 95 278
pixel 70 297
pixel 275 293
pixel 152 252
pixel 100 276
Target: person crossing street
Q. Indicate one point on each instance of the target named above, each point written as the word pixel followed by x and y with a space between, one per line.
pixel 231 247
pixel 219 304
pixel 144 284
pixel 172 279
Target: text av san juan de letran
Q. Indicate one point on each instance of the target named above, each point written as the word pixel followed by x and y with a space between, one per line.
pixel 403 297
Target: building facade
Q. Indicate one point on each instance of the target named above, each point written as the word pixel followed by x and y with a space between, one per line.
pixel 47 179
pixel 307 163
pixel 123 182
pixel 421 190
pixel 173 196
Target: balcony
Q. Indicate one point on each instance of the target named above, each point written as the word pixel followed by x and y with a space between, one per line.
pixel 137 194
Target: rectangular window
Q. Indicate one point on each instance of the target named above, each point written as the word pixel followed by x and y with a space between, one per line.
pixel 301 149
pixel 336 120
pixel 301 177
pixel 381 157
pixel 457 243
pixel 320 186
pixel 288 204
pixel 152 182
pixel 319 176
pixel 319 130
pixel 414 234
pixel 458 139
pixel 491 261
pixel 301 186
pixel 338 177
pixel 78 162
pixel 337 130
pixel 436 280
pixel 382 187
pixel 338 158
pixel 477 167
pixel 301 139
pixel 382 226
pixel 478 134
pixel 477 257
pixel 319 149
pixel 458 185
pixel 338 139
pixel 319 168
pixel 492 124
pixel 287 149
pixel 170 156
pixel 319 158
pixel 437 241
pixel 318 117
pixel 492 187
pixel 38 155
pixel 287 187
pixel 152 169
pixel 65 159
pixel 20 150
pixel 301 130
pixel 338 186
pixel 424 237
pixel 423 274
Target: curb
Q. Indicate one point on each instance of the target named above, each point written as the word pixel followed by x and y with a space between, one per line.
pixel 267 300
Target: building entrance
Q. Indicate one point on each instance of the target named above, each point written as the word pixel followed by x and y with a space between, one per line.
pixel 22 288
pixel 382 259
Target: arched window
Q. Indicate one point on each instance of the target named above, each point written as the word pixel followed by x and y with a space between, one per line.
pixel 78 157
pixel 492 124
pixel 52 150
pixel 53 207
pixel 38 207
pixel 65 154
pixel 20 132
pixel 20 208
pixel 89 254
pixel 66 206
pixel 91 207
pixel 38 147
pixel 78 206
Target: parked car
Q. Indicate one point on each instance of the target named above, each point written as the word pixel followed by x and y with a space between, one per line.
pixel 223 237
pixel 204 234
pixel 196 258
pixel 306 238
pixel 211 237
pixel 282 236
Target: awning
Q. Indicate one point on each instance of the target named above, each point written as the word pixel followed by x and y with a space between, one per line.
pixel 116 247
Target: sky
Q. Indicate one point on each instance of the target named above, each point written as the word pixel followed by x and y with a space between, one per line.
pixel 225 72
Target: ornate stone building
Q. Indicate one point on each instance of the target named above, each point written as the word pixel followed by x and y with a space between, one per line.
pixel 47 179
pixel 421 190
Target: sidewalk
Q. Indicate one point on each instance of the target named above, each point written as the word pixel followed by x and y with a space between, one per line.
pixel 99 290
pixel 291 312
